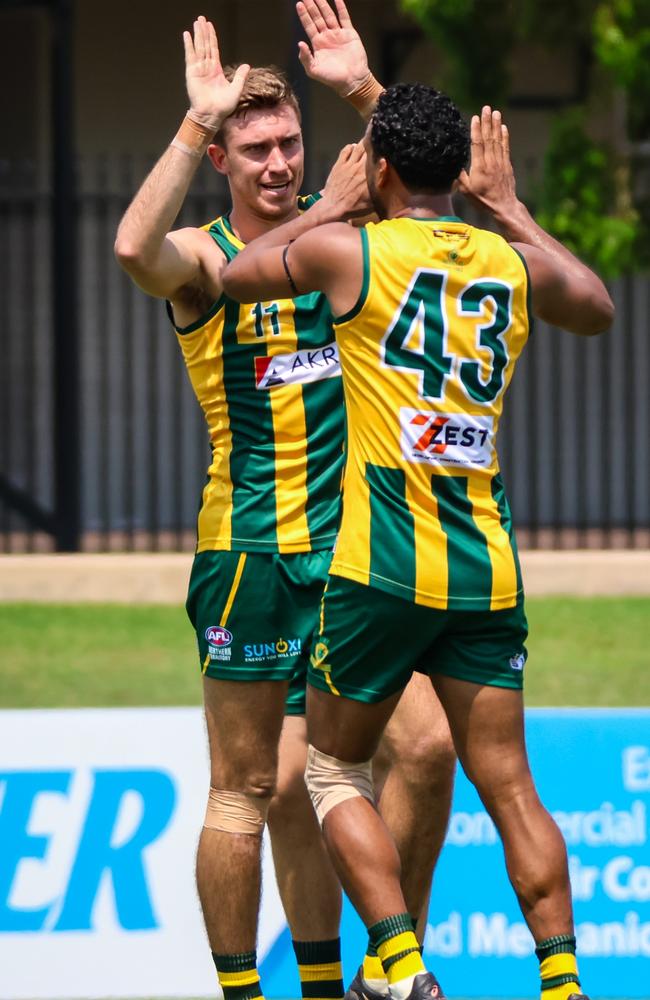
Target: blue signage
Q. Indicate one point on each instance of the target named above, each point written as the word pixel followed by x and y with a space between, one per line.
pixel 97 856
pixel 592 769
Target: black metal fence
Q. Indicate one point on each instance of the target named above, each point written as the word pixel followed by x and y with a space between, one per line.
pixel 574 444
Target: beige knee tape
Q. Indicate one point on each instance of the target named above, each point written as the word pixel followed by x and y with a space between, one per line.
pixel 331 781
pixel 236 812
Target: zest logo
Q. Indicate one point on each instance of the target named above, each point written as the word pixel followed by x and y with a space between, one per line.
pixel 450 439
pixel 430 439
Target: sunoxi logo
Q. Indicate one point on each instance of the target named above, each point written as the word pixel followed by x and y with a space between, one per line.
pixel 101 854
pixel 218 636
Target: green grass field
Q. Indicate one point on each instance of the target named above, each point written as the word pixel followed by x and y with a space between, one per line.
pixel 582 652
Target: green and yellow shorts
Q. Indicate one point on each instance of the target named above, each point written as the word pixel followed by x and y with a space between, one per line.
pixel 369 642
pixel 255 615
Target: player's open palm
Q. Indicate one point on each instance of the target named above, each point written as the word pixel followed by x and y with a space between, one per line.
pixel 491 179
pixel 337 57
pixel 212 96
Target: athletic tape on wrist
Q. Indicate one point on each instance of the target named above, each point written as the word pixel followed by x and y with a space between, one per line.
pixel 364 97
pixel 193 137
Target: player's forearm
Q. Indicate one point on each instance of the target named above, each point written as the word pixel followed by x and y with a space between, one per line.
pixel 320 213
pixel 154 209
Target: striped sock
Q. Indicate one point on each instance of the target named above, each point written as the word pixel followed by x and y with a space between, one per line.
pixel 372 969
pixel 319 965
pixel 558 967
pixel 398 949
pixel 238 975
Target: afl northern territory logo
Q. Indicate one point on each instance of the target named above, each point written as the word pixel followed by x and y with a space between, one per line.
pixel 216 635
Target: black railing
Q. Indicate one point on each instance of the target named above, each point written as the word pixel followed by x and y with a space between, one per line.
pixel 574 443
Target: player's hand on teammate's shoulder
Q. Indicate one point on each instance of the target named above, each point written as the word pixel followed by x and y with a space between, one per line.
pixel 490 181
pixel 345 195
pixel 212 96
pixel 335 55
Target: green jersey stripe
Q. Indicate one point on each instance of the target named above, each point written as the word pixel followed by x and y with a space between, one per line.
pixel 324 412
pixel 390 517
pixel 253 458
pixel 467 551
pixel 500 499
pixel 220 237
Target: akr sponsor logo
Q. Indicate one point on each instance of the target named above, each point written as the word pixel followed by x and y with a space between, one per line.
pixel 302 366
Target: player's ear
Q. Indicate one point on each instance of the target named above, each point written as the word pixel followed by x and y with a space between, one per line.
pixel 218 156
pixel 382 171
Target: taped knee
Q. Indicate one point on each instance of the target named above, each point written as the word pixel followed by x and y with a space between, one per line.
pixel 236 812
pixel 331 781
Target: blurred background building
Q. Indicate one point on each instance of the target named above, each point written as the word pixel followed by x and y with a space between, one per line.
pixel 102 446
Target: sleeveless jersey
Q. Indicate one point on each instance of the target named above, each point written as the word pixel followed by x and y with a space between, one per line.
pixel 427 355
pixel 267 376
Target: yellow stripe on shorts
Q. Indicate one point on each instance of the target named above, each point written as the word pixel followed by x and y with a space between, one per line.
pixel 229 603
pixel 233 589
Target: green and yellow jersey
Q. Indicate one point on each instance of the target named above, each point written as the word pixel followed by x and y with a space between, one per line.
pixel 427 355
pixel 267 376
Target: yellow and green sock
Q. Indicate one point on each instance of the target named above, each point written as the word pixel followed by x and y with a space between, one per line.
pixel 399 952
pixel 238 975
pixel 319 966
pixel 373 971
pixel 558 967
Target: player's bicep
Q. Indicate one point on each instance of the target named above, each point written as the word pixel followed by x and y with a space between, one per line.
pixel 578 303
pixel 175 264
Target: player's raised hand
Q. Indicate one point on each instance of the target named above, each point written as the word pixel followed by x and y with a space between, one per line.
pixel 346 188
pixel 490 181
pixel 335 55
pixel 212 96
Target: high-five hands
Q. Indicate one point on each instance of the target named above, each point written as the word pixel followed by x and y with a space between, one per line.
pixel 212 96
pixel 490 182
pixel 337 57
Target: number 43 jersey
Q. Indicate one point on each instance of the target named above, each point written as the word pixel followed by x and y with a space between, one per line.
pixel 427 355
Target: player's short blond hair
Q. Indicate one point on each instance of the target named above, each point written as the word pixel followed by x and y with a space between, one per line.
pixel 265 87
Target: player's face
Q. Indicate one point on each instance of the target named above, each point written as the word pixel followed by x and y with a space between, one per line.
pixel 264 161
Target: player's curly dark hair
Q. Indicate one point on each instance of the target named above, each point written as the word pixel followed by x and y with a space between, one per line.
pixel 422 134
